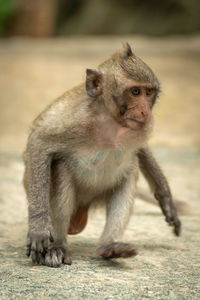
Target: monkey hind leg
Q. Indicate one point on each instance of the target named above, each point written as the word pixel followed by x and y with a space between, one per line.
pixel 61 209
pixel 119 208
pixel 116 250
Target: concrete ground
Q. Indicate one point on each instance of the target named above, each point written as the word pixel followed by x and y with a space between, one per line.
pixel 34 72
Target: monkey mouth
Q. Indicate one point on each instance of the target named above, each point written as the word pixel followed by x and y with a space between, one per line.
pixel 135 124
pixel 136 121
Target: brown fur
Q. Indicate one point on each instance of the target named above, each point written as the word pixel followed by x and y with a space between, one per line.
pixel 84 148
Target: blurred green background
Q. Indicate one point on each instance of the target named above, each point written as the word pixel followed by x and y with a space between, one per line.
pixel 65 17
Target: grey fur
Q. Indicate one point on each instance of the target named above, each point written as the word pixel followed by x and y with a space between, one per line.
pixel 80 150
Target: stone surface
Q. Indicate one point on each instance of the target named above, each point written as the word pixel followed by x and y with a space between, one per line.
pixel 34 72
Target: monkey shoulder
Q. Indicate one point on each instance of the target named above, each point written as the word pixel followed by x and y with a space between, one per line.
pixel 66 116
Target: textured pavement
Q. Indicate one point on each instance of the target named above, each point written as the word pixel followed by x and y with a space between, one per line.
pixel 32 73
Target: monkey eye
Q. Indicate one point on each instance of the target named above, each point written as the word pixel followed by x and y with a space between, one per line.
pixel 149 91
pixel 135 91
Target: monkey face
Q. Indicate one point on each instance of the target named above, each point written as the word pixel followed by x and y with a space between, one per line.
pixel 127 87
pixel 135 104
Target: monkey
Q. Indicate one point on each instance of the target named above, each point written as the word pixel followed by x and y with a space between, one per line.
pixel 87 147
pixel 182 207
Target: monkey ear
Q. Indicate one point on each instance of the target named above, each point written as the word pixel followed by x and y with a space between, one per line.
pixel 94 82
pixel 127 51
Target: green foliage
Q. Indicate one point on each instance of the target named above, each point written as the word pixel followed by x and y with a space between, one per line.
pixel 7 9
pixel 151 17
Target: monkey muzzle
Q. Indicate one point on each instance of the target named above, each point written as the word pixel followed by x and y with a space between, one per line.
pixel 137 118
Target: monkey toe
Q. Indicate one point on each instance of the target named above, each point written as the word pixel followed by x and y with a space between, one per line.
pixel 55 256
pixel 37 257
pixel 116 250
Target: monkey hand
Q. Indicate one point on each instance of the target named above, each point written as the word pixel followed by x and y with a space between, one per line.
pixel 169 211
pixel 37 244
pixel 172 219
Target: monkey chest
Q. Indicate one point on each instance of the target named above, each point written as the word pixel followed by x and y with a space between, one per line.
pixel 102 169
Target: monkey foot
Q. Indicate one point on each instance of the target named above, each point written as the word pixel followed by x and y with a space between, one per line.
pixel 116 250
pixel 56 256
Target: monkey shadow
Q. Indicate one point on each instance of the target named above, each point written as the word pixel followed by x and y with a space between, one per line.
pixel 114 263
pixel 83 250
pixel 155 247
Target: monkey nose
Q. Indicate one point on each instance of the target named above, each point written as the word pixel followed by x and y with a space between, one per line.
pixel 142 116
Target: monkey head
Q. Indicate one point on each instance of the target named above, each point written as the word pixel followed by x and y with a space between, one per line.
pixel 126 86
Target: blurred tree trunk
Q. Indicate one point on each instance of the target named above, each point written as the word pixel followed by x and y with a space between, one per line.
pixel 34 18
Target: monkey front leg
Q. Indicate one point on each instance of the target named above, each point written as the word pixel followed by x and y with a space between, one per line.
pixel 62 205
pixel 119 209
pixel 159 185
pixel 37 186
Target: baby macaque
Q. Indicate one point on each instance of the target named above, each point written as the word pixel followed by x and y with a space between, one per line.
pixel 87 147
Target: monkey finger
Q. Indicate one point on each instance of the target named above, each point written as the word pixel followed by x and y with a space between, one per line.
pixel 28 246
pixel 34 257
pixel 40 247
pixel 40 258
pixel 37 257
pixel 51 238
pixel 28 243
pixel 28 250
pixel 177 227
pixel 60 256
pixel 169 218
pixel 169 221
pixel 45 244
pixel 174 221
pixel 33 245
